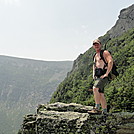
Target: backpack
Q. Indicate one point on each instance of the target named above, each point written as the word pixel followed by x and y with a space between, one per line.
pixel 114 73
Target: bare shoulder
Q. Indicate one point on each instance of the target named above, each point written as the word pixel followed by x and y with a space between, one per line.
pixel 106 52
pixel 107 55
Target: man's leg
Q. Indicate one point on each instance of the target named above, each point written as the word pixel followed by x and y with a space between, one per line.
pixel 103 102
pixel 97 97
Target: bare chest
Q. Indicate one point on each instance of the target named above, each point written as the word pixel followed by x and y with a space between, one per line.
pixel 99 63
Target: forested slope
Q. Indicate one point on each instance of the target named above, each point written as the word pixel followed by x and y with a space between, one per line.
pixel 119 92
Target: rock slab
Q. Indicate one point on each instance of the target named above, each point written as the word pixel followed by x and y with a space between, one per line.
pixel 61 118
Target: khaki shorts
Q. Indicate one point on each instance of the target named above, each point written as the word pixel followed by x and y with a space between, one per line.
pixel 100 83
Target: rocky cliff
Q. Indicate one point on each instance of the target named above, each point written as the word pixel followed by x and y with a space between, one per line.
pixel 61 118
pixel 124 23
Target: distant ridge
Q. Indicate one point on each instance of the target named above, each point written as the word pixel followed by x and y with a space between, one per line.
pixel 22 58
pixel 25 83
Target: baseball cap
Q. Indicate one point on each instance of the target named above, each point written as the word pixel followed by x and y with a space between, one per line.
pixel 96 41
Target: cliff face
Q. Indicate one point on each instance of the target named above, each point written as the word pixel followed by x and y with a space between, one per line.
pixel 124 23
pixel 61 118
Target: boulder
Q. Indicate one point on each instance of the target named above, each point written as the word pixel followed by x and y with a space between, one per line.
pixel 61 118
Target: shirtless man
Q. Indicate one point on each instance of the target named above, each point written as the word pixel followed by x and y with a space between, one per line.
pixel 100 76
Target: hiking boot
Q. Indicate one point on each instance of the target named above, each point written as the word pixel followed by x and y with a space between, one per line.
pixel 95 111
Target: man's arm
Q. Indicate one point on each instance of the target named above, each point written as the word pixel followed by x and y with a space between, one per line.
pixel 109 60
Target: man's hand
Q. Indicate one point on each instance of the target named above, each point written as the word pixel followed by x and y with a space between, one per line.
pixel 103 76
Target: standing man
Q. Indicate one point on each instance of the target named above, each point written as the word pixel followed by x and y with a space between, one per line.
pixel 100 76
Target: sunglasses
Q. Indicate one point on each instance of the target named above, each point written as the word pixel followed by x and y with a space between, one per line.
pixel 96 44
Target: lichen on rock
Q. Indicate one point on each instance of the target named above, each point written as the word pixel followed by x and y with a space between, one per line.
pixel 61 118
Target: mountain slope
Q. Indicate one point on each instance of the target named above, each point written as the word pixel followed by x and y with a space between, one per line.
pixel 121 90
pixel 124 23
pixel 24 84
pixel 75 87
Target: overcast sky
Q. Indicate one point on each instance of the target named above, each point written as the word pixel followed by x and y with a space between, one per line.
pixel 54 29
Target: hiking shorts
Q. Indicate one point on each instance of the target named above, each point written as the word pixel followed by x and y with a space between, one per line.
pixel 100 83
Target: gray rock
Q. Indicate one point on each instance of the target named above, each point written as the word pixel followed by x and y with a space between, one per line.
pixel 127 128
pixel 58 106
pixel 61 118
pixel 124 23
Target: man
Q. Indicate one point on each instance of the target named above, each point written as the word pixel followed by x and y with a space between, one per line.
pixel 100 76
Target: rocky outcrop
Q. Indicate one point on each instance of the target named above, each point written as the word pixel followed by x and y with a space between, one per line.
pixel 124 23
pixel 60 118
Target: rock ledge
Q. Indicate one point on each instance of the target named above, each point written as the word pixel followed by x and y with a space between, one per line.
pixel 61 118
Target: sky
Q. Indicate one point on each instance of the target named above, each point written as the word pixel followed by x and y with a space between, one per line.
pixel 55 30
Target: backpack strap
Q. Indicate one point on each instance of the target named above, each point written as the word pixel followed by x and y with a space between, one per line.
pixel 102 57
pixel 94 58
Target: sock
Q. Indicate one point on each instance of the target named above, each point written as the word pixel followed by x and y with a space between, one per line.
pixel 97 106
pixel 104 110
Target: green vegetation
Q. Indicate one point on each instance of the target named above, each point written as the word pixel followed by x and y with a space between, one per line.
pixel 119 92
